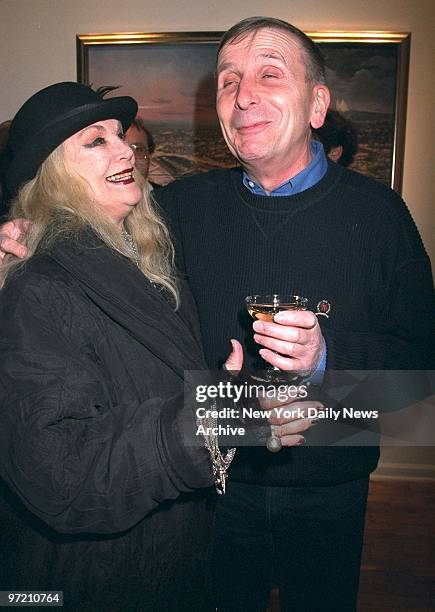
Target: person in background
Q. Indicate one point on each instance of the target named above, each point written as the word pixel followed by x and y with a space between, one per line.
pixel 142 142
pixel 4 132
pixel 339 138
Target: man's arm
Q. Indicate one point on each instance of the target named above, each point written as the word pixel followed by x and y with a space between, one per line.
pixel 11 233
pixel 402 306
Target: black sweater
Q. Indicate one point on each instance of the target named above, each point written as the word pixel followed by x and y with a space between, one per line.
pixel 348 240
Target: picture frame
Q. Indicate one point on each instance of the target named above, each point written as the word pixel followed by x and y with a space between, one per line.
pixel 171 75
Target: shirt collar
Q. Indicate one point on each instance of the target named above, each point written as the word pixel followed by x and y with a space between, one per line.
pixel 305 179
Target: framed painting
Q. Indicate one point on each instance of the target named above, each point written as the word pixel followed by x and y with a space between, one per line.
pixel 171 75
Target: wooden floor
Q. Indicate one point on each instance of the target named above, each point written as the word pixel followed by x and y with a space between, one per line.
pixel 398 566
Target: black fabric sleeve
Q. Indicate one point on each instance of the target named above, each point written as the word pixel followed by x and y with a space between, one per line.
pixel 77 460
pixel 404 334
pixel 167 202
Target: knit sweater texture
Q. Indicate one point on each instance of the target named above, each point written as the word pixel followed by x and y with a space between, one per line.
pixel 348 240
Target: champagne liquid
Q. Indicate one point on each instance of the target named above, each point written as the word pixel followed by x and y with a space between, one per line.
pixel 266 312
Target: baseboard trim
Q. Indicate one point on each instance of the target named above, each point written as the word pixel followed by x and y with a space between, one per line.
pixel 404 471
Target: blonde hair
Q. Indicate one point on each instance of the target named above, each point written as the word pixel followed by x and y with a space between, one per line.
pixel 57 202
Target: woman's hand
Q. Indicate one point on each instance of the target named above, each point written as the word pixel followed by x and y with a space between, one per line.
pixel 234 360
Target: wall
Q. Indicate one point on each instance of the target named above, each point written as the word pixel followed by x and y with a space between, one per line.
pixel 37 47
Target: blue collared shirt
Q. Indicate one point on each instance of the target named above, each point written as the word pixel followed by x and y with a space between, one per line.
pixel 308 177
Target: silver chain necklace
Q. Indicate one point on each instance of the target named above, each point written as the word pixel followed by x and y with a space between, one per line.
pixel 131 246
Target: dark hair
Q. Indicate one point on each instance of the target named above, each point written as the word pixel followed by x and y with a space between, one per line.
pixel 337 131
pixel 315 64
pixel 4 161
pixel 140 125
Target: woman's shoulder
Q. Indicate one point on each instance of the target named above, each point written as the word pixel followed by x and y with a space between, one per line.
pixel 39 284
pixel 44 268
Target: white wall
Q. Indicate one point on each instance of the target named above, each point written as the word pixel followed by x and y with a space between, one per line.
pixel 37 48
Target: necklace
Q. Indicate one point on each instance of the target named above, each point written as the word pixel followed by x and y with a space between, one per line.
pixel 131 246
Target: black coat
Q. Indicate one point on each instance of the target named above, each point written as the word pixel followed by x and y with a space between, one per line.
pixel 102 495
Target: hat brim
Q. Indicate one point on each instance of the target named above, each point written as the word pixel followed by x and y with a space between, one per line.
pixel 26 162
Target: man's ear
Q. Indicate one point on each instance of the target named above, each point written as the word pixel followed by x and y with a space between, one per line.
pixel 320 105
pixel 335 153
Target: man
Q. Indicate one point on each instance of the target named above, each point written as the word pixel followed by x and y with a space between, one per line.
pixel 141 141
pixel 290 222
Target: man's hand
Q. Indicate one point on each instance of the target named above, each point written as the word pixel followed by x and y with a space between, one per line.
pixel 290 418
pixel 288 413
pixel 293 420
pixel 10 235
pixel 293 342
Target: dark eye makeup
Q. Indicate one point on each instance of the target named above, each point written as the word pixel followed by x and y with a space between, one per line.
pixel 96 142
pixel 100 140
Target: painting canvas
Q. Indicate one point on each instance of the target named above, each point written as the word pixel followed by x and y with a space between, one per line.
pixel 172 78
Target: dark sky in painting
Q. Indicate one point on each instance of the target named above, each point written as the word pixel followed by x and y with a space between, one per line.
pixel 361 77
pixel 170 82
pixel 174 82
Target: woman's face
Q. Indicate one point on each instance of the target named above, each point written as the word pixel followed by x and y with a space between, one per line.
pixel 101 158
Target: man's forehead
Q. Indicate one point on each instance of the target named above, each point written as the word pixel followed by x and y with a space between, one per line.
pixel 138 133
pixel 267 42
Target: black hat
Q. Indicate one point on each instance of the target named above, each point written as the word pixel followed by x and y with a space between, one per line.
pixel 51 116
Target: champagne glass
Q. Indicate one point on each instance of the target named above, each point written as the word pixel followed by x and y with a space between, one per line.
pixel 263 308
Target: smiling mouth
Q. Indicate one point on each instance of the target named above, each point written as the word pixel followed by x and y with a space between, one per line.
pixel 252 127
pixel 124 177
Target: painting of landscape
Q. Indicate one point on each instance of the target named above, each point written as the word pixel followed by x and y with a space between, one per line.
pixel 362 80
pixel 174 86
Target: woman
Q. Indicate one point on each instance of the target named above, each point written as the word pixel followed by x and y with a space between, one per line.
pixel 106 497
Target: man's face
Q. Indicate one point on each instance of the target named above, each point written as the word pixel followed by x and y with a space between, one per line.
pixel 137 139
pixel 264 103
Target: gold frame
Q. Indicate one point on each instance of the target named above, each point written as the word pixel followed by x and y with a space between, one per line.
pixel 403 42
pixel 85 42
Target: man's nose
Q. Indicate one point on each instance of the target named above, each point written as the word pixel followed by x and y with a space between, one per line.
pixel 246 93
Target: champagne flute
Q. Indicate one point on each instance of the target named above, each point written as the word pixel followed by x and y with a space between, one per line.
pixel 263 308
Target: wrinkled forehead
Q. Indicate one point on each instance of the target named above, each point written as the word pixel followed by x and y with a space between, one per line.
pixel 134 134
pixel 264 42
